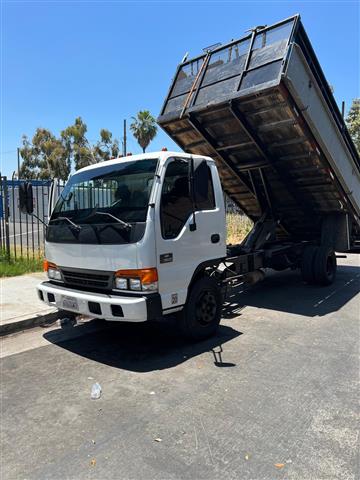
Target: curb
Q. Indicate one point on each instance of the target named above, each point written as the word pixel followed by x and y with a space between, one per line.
pixel 27 323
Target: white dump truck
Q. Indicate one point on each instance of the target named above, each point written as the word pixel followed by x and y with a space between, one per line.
pixel 141 237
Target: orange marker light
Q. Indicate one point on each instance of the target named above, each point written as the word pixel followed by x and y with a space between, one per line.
pixel 146 275
pixel 48 265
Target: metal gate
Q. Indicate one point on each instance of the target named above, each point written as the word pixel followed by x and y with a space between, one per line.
pixel 23 235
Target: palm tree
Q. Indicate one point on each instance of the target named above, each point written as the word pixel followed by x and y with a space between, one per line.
pixel 144 128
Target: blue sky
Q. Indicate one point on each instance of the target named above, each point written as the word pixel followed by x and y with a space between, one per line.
pixel 104 61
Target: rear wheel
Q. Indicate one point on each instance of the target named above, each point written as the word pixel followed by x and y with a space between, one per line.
pixel 307 264
pixel 324 266
pixel 201 315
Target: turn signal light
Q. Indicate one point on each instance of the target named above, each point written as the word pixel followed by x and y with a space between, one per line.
pixel 48 265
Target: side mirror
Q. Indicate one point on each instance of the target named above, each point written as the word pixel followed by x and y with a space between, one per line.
pixel 26 200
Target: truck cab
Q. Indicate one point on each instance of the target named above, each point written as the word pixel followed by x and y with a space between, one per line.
pixel 127 238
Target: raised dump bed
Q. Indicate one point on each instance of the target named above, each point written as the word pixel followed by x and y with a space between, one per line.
pixel 262 108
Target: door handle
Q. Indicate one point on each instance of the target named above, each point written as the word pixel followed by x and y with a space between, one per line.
pixel 215 238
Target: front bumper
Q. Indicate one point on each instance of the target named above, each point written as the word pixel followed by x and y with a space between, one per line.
pixel 139 308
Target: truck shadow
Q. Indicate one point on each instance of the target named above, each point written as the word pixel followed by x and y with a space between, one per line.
pixel 157 346
pixel 142 347
pixel 285 292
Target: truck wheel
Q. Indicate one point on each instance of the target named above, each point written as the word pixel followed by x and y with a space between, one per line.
pixel 324 266
pixel 307 265
pixel 201 315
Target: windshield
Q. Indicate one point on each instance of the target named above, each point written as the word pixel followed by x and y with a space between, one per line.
pixel 104 205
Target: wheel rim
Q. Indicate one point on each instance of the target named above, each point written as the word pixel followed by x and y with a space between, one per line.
pixel 206 308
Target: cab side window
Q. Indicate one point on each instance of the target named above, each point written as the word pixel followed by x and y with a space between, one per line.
pixel 176 198
pixel 203 187
pixel 176 205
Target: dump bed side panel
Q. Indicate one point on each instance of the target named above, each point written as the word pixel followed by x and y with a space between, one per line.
pixel 305 91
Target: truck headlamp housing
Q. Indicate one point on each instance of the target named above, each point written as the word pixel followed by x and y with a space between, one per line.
pixel 121 283
pixel 145 279
pixel 135 284
pixel 52 271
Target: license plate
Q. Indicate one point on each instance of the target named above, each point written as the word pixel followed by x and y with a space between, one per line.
pixel 70 302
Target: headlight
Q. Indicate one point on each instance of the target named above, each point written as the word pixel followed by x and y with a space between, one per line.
pixel 121 283
pixel 52 271
pixel 54 274
pixel 135 284
pixel 145 279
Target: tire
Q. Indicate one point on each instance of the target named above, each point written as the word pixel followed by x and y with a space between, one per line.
pixel 201 315
pixel 324 266
pixel 307 265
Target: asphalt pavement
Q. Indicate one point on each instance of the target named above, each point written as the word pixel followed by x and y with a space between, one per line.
pixel 275 395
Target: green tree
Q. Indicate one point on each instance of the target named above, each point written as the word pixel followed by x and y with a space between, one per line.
pixel 78 148
pixel 144 128
pixel 106 148
pixel 43 157
pixel 46 156
pixel 353 122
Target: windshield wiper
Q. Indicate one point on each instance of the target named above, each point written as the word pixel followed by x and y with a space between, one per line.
pixel 68 220
pixel 125 224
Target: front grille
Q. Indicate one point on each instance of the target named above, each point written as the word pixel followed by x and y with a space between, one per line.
pixel 87 279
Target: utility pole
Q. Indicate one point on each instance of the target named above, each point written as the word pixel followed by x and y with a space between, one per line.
pixel 18 162
pixel 124 140
pixel 343 109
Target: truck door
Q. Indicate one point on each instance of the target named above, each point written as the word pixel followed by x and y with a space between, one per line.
pixel 191 221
